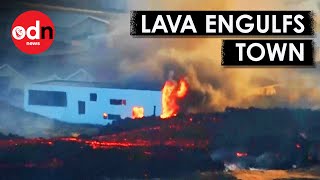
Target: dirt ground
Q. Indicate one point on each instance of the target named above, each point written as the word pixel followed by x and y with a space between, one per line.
pixel 274 174
pixel 301 174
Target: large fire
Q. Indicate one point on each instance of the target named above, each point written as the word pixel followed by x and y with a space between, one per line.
pixel 171 93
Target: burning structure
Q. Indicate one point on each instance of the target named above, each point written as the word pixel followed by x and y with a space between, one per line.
pixel 97 103
pixel 87 102
pixel 171 93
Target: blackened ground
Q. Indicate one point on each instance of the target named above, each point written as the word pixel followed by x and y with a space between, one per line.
pixel 74 161
pixel 179 147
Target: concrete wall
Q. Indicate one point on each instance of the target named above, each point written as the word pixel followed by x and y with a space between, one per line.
pixel 95 109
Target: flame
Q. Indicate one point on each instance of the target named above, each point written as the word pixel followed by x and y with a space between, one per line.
pixel 241 154
pixel 183 89
pixel 75 134
pixel 137 112
pixel 171 92
pixel 298 146
pixel 105 116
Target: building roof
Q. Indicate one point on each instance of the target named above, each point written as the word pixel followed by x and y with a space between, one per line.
pixel 93 5
pixel 80 75
pixel 66 83
pixel 9 71
pixel 51 78
pixel 69 19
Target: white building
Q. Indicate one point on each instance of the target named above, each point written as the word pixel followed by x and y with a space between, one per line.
pixel 87 102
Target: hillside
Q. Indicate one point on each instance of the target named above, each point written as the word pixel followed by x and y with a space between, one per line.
pixel 16 121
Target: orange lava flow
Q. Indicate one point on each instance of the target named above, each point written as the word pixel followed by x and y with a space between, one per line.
pixel 138 138
pixel 171 93
pixel 137 112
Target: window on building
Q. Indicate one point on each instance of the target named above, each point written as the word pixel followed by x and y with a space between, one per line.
pixel 93 97
pixel 81 107
pixel 118 102
pixel 114 116
pixel 47 98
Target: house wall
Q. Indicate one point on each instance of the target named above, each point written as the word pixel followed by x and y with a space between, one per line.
pixel 79 37
pixel 95 109
pixel 17 81
pixel 88 27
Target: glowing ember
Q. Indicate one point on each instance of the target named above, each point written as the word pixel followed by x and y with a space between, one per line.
pixel 171 93
pixel 137 112
pixel 105 116
pixel 75 134
pixel 298 146
pixel 241 154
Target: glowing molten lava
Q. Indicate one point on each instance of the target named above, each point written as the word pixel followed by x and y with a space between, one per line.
pixel 171 93
pixel 137 112
pixel 241 154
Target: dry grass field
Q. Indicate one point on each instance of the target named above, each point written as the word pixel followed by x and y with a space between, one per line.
pixel 274 174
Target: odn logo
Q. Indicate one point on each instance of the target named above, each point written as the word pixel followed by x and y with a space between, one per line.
pixel 33 32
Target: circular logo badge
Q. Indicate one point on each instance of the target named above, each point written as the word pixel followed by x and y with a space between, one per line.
pixel 32 32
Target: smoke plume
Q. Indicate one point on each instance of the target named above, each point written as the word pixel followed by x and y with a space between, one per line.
pixel 213 88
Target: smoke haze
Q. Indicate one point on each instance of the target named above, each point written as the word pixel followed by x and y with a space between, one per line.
pixel 147 62
pixel 213 87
